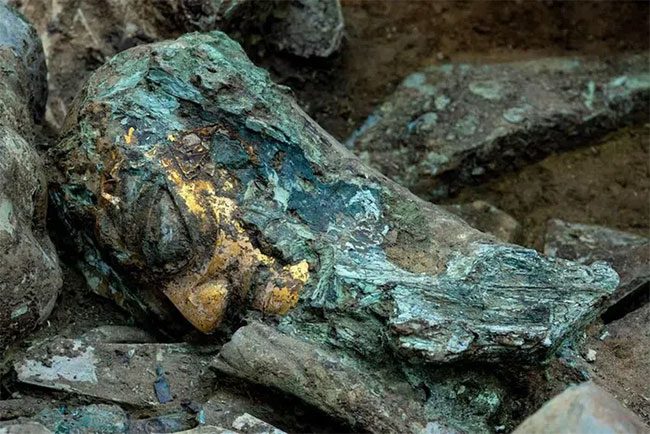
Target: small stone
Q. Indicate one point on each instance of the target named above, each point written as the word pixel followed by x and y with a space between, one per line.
pixel 515 115
pixel 583 409
pixel 309 28
pixel 591 355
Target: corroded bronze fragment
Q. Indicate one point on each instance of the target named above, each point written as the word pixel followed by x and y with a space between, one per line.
pixel 456 124
pixel 187 175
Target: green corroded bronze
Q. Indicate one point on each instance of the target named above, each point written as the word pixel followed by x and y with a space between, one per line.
pixel 457 124
pixel 188 176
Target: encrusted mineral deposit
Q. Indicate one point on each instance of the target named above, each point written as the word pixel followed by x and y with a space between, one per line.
pixel 194 179
pixel 457 124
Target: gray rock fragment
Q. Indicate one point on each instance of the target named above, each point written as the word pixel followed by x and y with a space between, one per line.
pixel 118 372
pixel 249 424
pixel 225 409
pixel 324 379
pixel 208 429
pixel 24 73
pixel 628 254
pixel 30 276
pixel 26 427
pixel 489 219
pixel 457 124
pixel 308 27
pixel 583 409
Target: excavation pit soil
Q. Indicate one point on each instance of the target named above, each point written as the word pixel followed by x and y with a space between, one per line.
pixel 606 182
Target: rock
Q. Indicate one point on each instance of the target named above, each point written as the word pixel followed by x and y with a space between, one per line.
pixel 119 372
pixel 583 409
pixel 229 410
pixel 489 219
pixel 26 427
pixel 20 407
pixel 308 28
pixel 247 423
pixel 23 85
pixel 166 423
pixel 457 124
pixel 260 354
pixel 96 418
pixel 628 254
pixel 591 355
pixel 208 429
pixel 189 177
pixel 80 35
pixel 368 395
pixel 30 276
pixel 104 419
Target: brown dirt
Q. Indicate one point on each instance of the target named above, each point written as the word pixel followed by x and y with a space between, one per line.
pixel 623 358
pixel 607 183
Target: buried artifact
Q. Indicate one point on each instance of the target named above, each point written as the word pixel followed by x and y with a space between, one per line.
pixel 456 124
pixel 189 177
pixel 191 183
